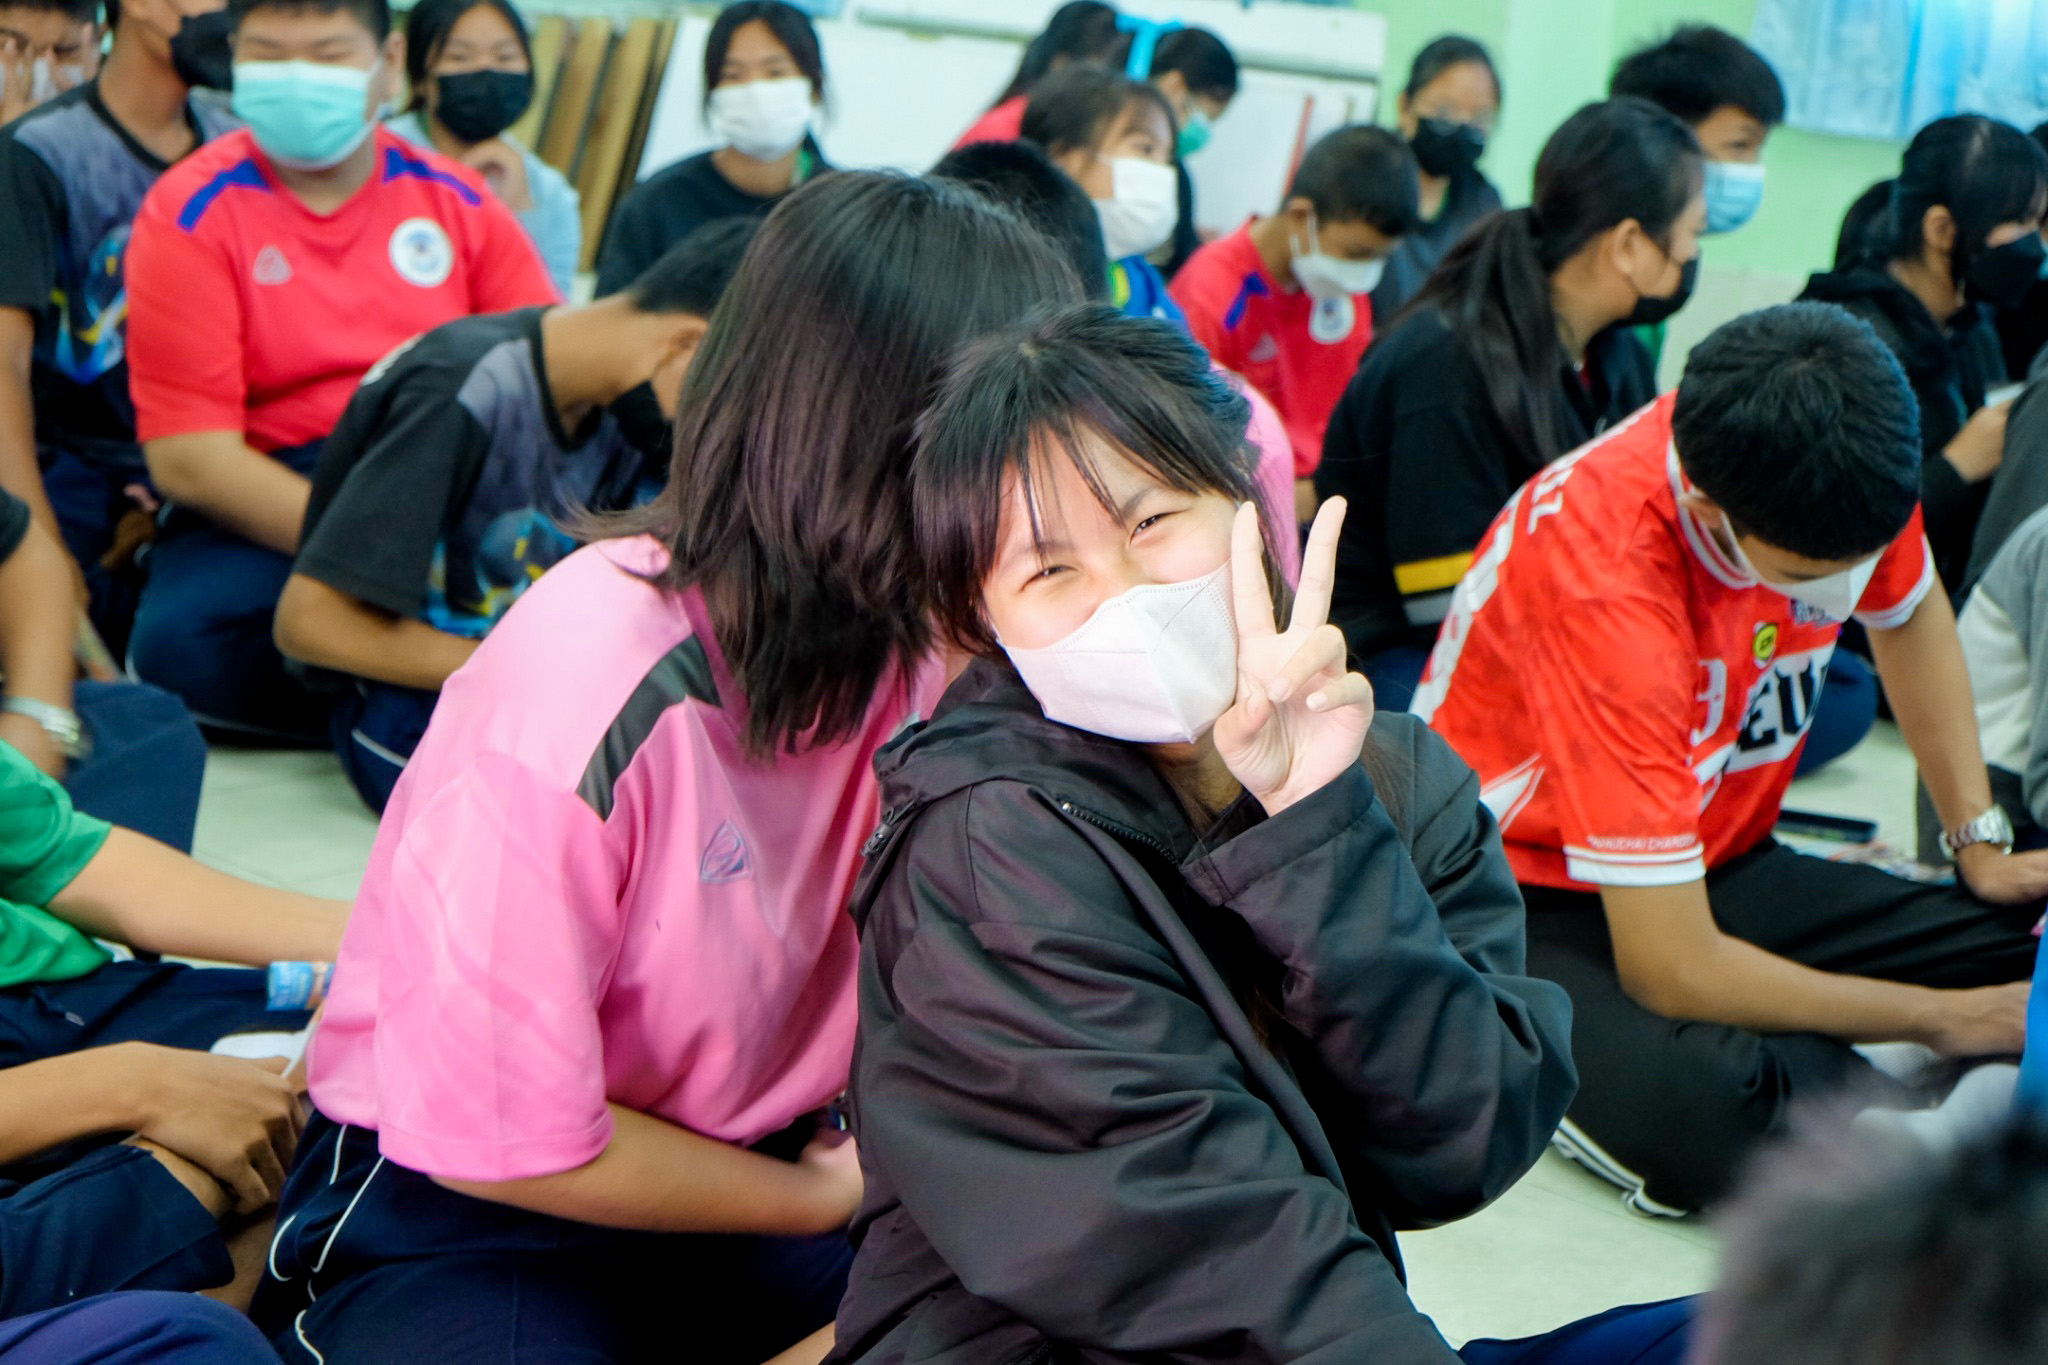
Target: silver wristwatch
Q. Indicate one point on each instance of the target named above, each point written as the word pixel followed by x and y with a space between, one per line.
pixel 60 723
pixel 1993 827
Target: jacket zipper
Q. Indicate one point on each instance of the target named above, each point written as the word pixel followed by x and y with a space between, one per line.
pixel 1040 1356
pixel 1121 831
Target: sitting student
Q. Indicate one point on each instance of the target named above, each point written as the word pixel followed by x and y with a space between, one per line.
pixel 1631 664
pixel 470 66
pixel 1517 350
pixel 646 796
pixel 1962 229
pixel 2004 630
pixel 1722 89
pixel 46 48
pixel 1079 31
pixel 1446 113
pixel 92 1050
pixel 71 179
pixel 1846 1250
pixel 1017 176
pixel 1165 1087
pixel 764 79
pixel 1197 72
pixel 1115 137
pixel 141 1327
pixel 446 488
pixel 268 272
pixel 1285 301
pixel 126 752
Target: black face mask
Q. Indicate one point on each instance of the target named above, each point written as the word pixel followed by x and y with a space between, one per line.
pixel 1444 147
pixel 2002 275
pixel 201 53
pixel 638 413
pixel 479 105
pixel 1653 309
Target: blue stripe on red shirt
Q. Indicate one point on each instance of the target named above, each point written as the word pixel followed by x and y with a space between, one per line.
pixel 243 174
pixel 397 165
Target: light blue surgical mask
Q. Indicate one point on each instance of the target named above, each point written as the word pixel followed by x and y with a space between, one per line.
pixel 305 115
pixel 1734 190
pixel 1195 133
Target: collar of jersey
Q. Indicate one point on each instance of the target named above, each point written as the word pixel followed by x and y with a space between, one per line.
pixel 1704 547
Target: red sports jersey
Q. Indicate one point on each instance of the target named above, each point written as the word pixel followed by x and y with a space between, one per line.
pixel 1297 352
pixel 249 312
pixel 1632 700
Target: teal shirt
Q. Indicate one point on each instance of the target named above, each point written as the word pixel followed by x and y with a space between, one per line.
pixel 44 844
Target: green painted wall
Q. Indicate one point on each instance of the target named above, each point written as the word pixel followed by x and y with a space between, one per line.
pixel 1555 55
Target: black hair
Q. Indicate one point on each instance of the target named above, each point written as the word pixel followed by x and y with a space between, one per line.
pixel 77 11
pixel 1699 69
pixel 1021 178
pixel 788 503
pixel 427 26
pixel 1051 384
pixel 1847 1250
pixel 2040 135
pixel 1361 174
pixel 1864 233
pixel 1610 162
pixel 1076 106
pixel 692 276
pixel 1079 31
pixel 375 15
pixel 1203 60
pixel 791 27
pixel 1983 171
pixel 1440 55
pixel 1800 424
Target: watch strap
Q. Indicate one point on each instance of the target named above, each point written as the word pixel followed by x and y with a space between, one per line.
pixel 60 723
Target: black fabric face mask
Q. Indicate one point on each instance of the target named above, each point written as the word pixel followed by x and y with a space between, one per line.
pixel 2002 275
pixel 201 53
pixel 478 105
pixel 1652 309
pixel 1444 147
pixel 638 413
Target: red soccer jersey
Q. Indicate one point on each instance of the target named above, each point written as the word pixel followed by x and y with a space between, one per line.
pixel 1632 700
pixel 1004 123
pixel 1297 352
pixel 249 312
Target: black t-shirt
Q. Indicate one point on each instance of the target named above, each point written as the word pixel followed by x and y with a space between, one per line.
pixel 441 492
pixel 674 202
pixel 1416 447
pixel 1469 198
pixel 14 518
pixel 71 179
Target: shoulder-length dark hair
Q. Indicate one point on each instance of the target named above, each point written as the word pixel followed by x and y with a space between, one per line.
pixel 1049 388
pixel 788 501
pixel 1610 162
pixel 1440 55
pixel 427 26
pixel 1079 31
pixel 791 27
pixel 1077 105
pixel 1983 171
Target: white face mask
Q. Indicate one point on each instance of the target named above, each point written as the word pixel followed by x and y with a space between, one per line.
pixel 1155 665
pixel 1330 277
pixel 1837 594
pixel 1143 206
pixel 765 120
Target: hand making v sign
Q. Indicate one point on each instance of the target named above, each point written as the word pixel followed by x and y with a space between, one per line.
pixel 1299 719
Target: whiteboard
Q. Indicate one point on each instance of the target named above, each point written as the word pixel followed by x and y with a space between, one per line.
pixel 907 77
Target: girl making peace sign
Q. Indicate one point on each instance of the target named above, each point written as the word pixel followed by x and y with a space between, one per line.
pixel 1172 1009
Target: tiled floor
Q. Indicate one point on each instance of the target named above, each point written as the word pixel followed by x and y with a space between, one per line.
pixel 1557 1247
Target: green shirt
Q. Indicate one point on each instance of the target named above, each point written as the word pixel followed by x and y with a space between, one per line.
pixel 44 844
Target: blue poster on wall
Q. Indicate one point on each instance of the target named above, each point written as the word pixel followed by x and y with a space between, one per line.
pixel 1884 68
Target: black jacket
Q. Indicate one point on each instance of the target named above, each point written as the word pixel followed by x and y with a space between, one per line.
pixel 1415 446
pixel 1077 1146
pixel 1950 369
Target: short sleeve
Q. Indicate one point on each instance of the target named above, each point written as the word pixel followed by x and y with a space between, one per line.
pixel 31 225
pixel 1904 577
pixel 14 520
pixel 1614 739
pixel 555 223
pixel 505 270
pixel 44 843
pixel 186 337
pixel 499 921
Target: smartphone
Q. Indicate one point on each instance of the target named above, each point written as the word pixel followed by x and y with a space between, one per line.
pixel 1843 829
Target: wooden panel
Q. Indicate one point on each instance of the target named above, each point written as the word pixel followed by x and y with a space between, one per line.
pixel 657 71
pixel 569 111
pixel 612 120
pixel 550 37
